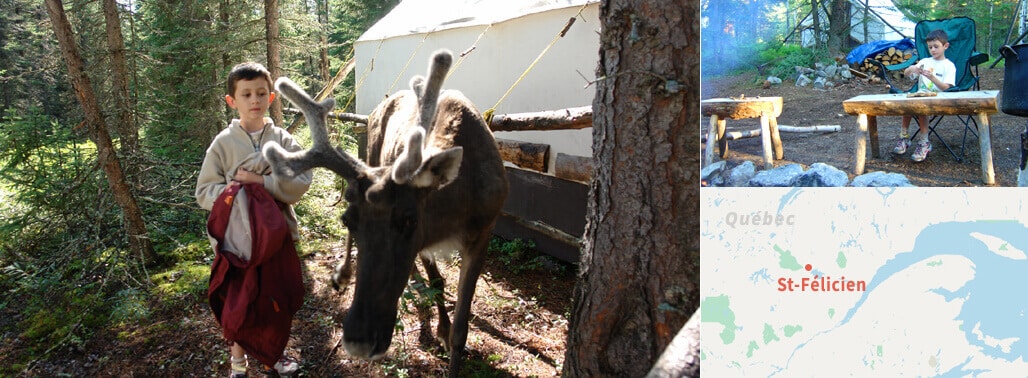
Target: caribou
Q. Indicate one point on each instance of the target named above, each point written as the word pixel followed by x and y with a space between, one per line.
pixel 434 183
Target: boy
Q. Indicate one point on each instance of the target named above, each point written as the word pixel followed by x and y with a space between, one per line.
pixel 252 227
pixel 935 74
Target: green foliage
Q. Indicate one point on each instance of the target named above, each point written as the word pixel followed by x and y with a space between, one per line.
pixel 781 60
pixel 182 284
pixel 519 255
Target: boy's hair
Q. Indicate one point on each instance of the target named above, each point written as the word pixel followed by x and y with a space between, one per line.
pixel 247 71
pixel 937 35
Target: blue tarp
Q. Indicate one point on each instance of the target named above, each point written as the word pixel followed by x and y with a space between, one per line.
pixel 868 50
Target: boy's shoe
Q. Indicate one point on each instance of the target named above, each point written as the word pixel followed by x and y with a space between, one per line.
pixel 238 369
pixel 284 367
pixel 922 150
pixel 901 146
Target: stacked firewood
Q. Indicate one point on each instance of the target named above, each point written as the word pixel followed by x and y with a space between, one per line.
pixel 887 57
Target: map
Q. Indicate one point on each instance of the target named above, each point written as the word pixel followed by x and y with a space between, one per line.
pixel 861 281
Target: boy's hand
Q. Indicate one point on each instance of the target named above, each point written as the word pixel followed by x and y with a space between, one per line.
pixel 247 177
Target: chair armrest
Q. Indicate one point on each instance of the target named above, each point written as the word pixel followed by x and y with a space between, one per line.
pixel 978 58
pixel 893 88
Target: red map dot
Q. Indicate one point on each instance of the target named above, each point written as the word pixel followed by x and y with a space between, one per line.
pixel 808 267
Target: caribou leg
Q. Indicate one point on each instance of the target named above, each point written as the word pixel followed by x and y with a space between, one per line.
pixel 344 270
pixel 470 269
pixel 437 284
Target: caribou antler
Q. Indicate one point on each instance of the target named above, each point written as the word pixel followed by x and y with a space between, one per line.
pixel 427 91
pixel 321 154
pixel 428 96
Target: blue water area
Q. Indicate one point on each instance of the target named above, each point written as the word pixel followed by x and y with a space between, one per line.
pixel 993 298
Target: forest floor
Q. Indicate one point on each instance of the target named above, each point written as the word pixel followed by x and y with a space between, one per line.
pixel 806 106
pixel 518 329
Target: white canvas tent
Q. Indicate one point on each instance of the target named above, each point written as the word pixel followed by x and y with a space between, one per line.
pixel 884 23
pixel 510 34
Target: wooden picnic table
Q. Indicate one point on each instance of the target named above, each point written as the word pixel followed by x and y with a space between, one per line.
pixel 766 108
pixel 973 103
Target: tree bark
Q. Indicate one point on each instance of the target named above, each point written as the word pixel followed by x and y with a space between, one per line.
pixel 815 15
pixel 274 57
pixel 639 273
pixel 122 102
pixel 139 241
pixel 839 26
pixel 323 63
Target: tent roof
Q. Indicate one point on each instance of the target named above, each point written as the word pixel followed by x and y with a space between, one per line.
pixel 422 16
pixel 888 11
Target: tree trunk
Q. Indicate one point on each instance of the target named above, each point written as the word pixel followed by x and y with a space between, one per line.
pixel 122 102
pixel 639 273
pixel 139 241
pixel 226 61
pixel 815 14
pixel 323 63
pixel 274 59
pixel 839 26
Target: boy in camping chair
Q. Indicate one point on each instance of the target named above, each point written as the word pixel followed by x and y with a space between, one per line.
pixel 935 74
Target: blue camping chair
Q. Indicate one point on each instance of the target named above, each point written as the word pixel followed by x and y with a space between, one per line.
pixel 965 57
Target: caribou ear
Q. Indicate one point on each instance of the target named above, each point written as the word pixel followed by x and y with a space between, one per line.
pixel 407 163
pixel 439 169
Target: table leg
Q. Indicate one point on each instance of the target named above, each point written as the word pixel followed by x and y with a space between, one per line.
pixel 985 146
pixel 861 144
pixel 722 142
pixel 872 131
pixel 708 154
pixel 765 138
pixel 776 139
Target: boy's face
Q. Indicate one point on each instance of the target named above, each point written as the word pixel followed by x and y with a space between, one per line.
pixel 938 49
pixel 252 99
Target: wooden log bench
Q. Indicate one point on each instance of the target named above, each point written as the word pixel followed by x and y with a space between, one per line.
pixel 766 108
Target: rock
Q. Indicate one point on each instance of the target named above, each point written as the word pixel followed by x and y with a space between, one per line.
pixel 780 176
pixel 819 83
pixel 821 175
pixel 803 70
pixel 846 74
pixel 802 80
pixel 830 71
pixel 712 173
pixel 774 80
pixel 741 174
pixel 880 179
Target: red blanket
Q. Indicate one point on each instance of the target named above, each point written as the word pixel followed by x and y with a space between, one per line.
pixel 254 301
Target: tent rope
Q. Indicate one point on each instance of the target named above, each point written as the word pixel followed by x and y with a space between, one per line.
pixel 364 75
pixel 402 71
pixel 488 114
pixel 468 51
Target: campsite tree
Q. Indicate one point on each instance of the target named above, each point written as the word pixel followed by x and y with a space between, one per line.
pixel 139 241
pixel 274 58
pixel 639 271
pixel 122 104
pixel 838 26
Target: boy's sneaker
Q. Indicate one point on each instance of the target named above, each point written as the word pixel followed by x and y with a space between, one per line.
pixel 284 367
pixel 901 146
pixel 238 367
pixel 922 150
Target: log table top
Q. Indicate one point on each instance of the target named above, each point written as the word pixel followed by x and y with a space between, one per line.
pixel 741 108
pixel 945 103
pixel 979 104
